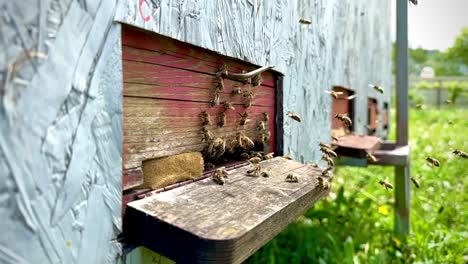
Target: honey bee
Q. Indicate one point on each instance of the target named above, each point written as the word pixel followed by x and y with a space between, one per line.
pixel 265 137
pixel 206 120
pixel 305 21
pixel 207 135
pixel 228 105
pixel 219 83
pixel 288 157
pixel 222 119
pixel 377 88
pixel 222 71
pixel 265 117
pixel 244 155
pixel 236 90
pixel 328 152
pixel 386 184
pixel 249 95
pixel 345 119
pixel 323 183
pixel 448 101
pixel 243 119
pixel 255 171
pixel 218 179
pixel 334 138
pixel 326 170
pixel 268 156
pixel 215 100
pixel 314 165
pixel 261 126
pixel 219 176
pixel 415 182
pixel 256 80
pixel 255 160
pixel 460 153
pixel 329 160
pixel 371 158
pixel 335 94
pixel 244 141
pixel 294 116
pixel 291 178
pixel 450 122
pixel 217 148
pixel 433 161
pixel 266 173
pixel 414 2
pixel 324 145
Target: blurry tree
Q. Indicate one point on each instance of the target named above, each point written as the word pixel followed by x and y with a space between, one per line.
pixel 459 51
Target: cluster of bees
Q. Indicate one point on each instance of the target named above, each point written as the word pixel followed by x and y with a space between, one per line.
pixel 242 147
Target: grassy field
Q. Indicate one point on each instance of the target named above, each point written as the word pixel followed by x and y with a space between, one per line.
pixel 355 223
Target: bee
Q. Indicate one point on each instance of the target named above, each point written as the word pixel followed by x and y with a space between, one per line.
pixel 266 173
pixel 217 148
pixel 345 119
pixel 207 136
pixel 228 105
pixel 209 166
pixel 305 21
pixel 264 137
pixel 218 180
pixel 236 90
pixel 377 88
pixel 219 83
pixel 219 176
pixel 215 100
pixel 249 95
pixel 268 156
pixel 255 160
pixel 327 172
pixel 415 182
pixel 255 171
pixel 386 184
pixel 414 2
pixel 324 145
pixel 335 94
pixel 448 101
pixel 206 120
pixel 243 119
pixel 244 155
pixel 256 80
pixel 314 165
pixel 244 141
pixel 291 178
pixel 323 183
pixel 335 138
pixel 433 161
pixel 261 126
pixel 222 119
pixel 294 116
pixel 328 152
pixel 265 117
pixel 288 157
pixel 460 153
pixel 419 106
pixel 371 158
pixel 222 71
pixel 329 160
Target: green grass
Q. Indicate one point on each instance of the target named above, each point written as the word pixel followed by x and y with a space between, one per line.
pixel 355 223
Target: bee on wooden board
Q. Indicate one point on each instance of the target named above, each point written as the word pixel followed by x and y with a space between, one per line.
pixel 207 136
pixel 255 160
pixel 294 116
pixel 288 157
pixel 255 171
pixel 291 178
pixel 460 153
pixel 266 173
pixel 433 161
pixel 268 156
pixel 222 71
pixel 206 119
pixel 323 183
pixel 386 184
pixel 243 119
pixel 265 117
pixel 222 119
pixel 378 88
pixel 219 176
pixel 329 160
pixel 228 106
pixel 345 119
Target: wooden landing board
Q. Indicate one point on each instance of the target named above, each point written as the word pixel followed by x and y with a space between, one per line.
pixel 356 146
pixel 205 222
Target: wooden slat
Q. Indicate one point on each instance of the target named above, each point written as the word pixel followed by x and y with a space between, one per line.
pixel 185 54
pixel 356 146
pixel 206 222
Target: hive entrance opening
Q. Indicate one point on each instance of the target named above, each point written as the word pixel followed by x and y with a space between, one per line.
pixel 342 104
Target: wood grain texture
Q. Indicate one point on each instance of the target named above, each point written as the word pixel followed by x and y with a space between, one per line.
pixel 206 222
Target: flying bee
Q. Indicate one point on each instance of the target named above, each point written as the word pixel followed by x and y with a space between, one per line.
pixel 294 116
pixel 419 106
pixel 329 160
pixel 345 119
pixel 255 171
pixel 291 178
pixel 460 153
pixel 206 120
pixel 377 88
pixel 228 105
pixel 386 184
pixel 448 101
pixel 414 2
pixel 323 183
pixel 218 179
pixel 415 182
pixel 236 90
pixel 433 161
pixel 266 173
pixel 328 152
pixel 255 160
pixel 305 21
pixel 243 119
pixel 222 119
pixel 268 156
pixel 450 122
pixel 371 158
pixel 333 93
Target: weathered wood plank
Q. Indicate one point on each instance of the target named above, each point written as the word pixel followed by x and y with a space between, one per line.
pixel 206 222
pixel 356 146
pixel 169 47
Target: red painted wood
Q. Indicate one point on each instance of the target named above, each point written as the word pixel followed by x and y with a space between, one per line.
pixel 340 105
pixel 373 114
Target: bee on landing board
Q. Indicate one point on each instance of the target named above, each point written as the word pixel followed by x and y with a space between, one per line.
pixel 291 178
pixel 323 183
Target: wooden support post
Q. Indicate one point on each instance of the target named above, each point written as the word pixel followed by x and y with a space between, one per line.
pixel 402 200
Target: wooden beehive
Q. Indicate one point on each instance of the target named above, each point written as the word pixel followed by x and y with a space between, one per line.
pixel 167 84
pixel 341 105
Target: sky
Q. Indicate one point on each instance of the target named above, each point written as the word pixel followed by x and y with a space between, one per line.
pixel 434 24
